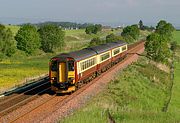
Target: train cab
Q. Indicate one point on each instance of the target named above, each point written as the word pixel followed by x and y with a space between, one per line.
pixel 62 74
pixel 65 70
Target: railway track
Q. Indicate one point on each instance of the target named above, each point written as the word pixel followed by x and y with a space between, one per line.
pixel 21 97
pixel 51 104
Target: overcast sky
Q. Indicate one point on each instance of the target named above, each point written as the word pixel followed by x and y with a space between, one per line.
pixel 107 11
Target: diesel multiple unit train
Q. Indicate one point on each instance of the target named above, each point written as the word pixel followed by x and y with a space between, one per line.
pixel 69 71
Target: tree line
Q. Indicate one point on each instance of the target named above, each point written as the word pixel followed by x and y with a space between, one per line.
pixel 129 34
pixel 65 24
pixel 29 39
pixel 159 45
pixel 93 29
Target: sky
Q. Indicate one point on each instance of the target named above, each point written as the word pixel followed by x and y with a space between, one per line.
pixel 95 11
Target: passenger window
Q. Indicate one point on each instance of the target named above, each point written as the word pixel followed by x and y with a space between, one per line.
pixel 116 51
pixel 123 48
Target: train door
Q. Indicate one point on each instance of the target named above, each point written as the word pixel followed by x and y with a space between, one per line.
pixel 62 72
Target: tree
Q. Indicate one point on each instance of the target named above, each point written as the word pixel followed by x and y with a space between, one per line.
pixel 164 28
pixel 141 26
pixel 97 28
pixel 52 37
pixel 93 29
pixel 96 41
pixel 7 42
pixel 28 39
pixel 89 29
pixel 173 46
pixel 128 38
pixel 157 48
pixel 157 44
pixel 112 37
pixel 132 31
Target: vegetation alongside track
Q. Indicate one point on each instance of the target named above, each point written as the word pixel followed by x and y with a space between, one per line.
pixel 174 105
pixel 139 94
pixel 19 67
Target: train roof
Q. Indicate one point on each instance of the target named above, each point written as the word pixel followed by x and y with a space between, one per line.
pixel 117 44
pixel 105 47
pixel 91 51
pixel 78 55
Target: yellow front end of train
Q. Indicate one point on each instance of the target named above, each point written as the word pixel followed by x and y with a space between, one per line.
pixel 62 75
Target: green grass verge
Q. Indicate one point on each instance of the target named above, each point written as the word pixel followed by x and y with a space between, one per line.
pixel 137 95
pixel 176 36
pixel 175 101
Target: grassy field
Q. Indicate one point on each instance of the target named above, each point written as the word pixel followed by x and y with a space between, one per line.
pixel 20 67
pixel 15 71
pixel 175 101
pixel 176 36
pixel 138 95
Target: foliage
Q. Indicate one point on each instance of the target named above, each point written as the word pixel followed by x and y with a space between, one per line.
pixel 141 26
pixel 144 27
pixel 52 37
pixel 157 48
pixel 93 29
pixel 28 39
pixel 164 28
pixel 131 31
pixel 7 42
pixel 13 28
pixel 135 96
pixel 109 38
pixel 157 44
pixel 128 38
pixel 97 28
pixel 96 41
pixel 173 46
pixel 89 29
pixel 67 25
pixel 112 37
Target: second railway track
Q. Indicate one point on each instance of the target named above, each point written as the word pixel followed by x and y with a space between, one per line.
pixel 21 97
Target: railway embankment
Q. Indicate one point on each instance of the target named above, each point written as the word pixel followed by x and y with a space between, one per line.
pixel 137 94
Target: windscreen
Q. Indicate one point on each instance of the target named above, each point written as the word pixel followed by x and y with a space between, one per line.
pixel 54 65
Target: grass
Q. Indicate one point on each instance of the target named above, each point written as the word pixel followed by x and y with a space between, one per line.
pixel 176 36
pixel 175 101
pixel 15 71
pixel 137 95
pixel 20 67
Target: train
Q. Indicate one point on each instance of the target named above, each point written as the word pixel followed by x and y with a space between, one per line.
pixel 70 71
